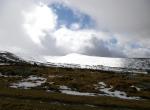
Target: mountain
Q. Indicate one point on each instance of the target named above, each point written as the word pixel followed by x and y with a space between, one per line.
pixel 10 58
pixel 136 63
pixel 74 58
pixel 102 63
pixel 126 65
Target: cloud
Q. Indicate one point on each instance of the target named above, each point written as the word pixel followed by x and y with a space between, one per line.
pixel 12 34
pixel 86 41
pixel 104 48
pixel 31 27
pixel 73 40
pixel 118 15
pixel 23 24
pixel 127 20
pixel 38 21
pixel 68 16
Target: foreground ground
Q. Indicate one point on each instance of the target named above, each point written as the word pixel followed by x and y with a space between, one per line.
pixel 43 88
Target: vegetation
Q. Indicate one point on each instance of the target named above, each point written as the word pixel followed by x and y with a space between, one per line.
pixel 38 98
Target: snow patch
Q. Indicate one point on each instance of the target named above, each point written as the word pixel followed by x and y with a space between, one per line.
pixel 115 93
pixel 53 76
pixel 102 88
pixel 31 81
pixel 106 92
pixel 102 85
pixel 64 88
pixel 137 88
pixel 6 76
pixel 77 93
pixel 4 63
pixel 67 90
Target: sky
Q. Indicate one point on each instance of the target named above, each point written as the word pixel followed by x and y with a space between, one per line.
pixel 106 28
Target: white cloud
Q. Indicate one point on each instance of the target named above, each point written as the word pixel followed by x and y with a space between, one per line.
pixel 138 52
pixel 77 40
pixel 72 40
pixel 127 20
pixel 75 26
pixel 14 15
pixel 28 26
pixel 38 21
pixel 118 15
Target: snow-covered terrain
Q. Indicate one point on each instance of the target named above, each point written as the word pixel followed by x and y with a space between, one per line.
pixel 133 65
pixel 107 92
pixel 85 60
pixel 67 90
pixel 130 65
pixel 102 88
pixel 6 76
pixel 31 81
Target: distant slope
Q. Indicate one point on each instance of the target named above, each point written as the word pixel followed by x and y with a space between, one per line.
pixel 102 63
pixel 134 65
pixel 10 58
pixel 85 60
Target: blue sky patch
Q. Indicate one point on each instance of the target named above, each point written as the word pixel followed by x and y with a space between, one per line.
pixel 135 45
pixel 113 41
pixel 67 16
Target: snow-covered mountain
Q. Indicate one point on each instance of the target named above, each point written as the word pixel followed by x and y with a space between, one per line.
pixel 85 60
pixel 78 59
pixel 134 65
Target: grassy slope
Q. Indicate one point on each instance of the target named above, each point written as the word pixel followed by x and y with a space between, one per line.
pixel 82 80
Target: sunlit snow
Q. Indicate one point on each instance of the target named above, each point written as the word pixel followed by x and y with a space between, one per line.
pixel 85 60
